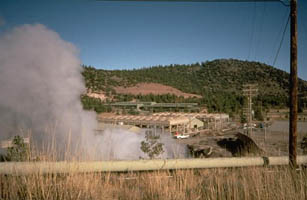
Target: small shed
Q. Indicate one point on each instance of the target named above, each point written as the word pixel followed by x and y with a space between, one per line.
pixel 195 123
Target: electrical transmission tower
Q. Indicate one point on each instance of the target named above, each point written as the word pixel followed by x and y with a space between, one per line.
pixel 249 90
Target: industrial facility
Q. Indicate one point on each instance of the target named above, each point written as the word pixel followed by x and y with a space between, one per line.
pixel 166 122
pixel 154 105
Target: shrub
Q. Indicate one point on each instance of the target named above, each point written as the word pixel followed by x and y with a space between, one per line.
pixel 19 151
pixel 151 146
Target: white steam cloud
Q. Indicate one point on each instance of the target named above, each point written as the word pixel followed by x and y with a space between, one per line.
pixel 40 86
pixel 119 144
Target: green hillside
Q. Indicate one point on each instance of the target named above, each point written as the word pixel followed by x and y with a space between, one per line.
pixel 218 81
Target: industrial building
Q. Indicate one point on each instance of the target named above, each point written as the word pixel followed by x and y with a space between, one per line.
pixel 154 105
pixel 105 126
pixel 213 121
pixel 165 124
pixel 169 122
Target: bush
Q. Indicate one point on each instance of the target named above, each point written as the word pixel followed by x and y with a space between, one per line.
pixel 243 118
pixel 151 146
pixel 19 151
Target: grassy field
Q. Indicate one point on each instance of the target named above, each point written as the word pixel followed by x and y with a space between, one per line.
pixel 228 183
pixel 233 183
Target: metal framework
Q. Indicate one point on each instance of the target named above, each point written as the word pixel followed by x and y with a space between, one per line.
pixel 249 90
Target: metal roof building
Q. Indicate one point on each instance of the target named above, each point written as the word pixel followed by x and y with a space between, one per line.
pixel 168 122
pixel 144 120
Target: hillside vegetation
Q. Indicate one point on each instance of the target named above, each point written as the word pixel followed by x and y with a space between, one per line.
pixel 219 82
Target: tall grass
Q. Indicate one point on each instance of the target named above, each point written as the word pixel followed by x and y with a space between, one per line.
pixel 232 183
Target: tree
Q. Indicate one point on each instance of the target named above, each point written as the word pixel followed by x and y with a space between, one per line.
pixel 218 82
pixel 151 146
pixel 258 114
pixel 243 118
pixel 19 151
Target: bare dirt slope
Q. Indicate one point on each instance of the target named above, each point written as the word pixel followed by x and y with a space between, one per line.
pixel 153 88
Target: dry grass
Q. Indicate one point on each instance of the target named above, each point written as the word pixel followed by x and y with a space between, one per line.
pixel 231 183
pixel 239 183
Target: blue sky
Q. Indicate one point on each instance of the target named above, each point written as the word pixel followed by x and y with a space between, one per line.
pixel 127 35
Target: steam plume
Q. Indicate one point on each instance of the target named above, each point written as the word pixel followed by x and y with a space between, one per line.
pixel 119 144
pixel 40 85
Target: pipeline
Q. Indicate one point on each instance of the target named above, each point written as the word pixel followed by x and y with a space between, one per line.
pixel 24 168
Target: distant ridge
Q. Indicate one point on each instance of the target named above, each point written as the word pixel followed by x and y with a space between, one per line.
pixel 221 78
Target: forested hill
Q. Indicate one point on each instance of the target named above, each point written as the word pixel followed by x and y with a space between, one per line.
pixel 222 78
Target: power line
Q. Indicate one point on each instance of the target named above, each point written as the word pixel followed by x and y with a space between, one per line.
pixel 284 2
pixel 282 39
pixel 278 36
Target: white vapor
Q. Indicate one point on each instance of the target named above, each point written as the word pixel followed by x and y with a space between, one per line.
pixel 40 86
pixel 120 144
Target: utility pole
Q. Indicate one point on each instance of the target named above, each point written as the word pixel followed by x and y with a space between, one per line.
pixel 249 90
pixel 293 85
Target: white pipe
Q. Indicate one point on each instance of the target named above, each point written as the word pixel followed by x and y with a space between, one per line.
pixel 23 168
